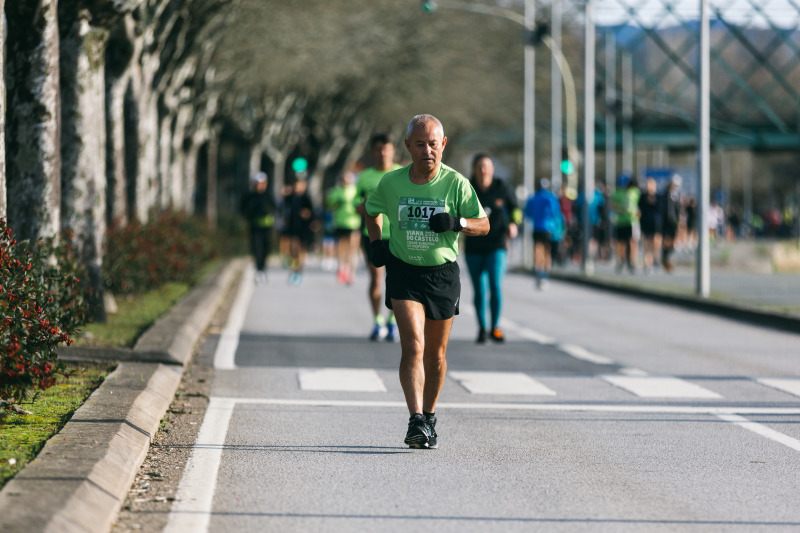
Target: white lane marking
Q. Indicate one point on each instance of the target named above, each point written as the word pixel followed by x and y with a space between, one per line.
pixel 521 406
pixel 579 352
pixel 501 383
pixel 340 379
pixel 191 510
pixel 573 350
pixel 659 387
pixel 762 430
pixel 790 385
pixel 632 371
pixel 527 333
pixel 225 355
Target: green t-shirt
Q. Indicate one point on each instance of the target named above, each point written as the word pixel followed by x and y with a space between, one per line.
pixel 409 206
pixel 367 182
pixel 342 201
pixel 626 205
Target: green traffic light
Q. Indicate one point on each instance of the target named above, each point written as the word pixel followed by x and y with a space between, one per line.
pixel 567 167
pixel 300 164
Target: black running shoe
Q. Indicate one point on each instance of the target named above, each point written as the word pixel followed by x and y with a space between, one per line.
pixel 481 336
pixel 419 432
pixel 431 421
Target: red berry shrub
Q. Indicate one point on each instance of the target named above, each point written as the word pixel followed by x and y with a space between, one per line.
pixel 42 303
pixel 171 247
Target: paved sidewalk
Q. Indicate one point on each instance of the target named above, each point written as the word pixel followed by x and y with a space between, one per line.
pixel 745 290
pixel 778 293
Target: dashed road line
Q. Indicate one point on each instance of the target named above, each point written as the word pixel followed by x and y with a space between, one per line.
pixel 225 354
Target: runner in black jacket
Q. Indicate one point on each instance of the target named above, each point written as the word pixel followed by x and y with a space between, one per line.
pixel 487 255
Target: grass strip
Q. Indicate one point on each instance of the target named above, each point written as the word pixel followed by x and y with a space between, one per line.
pixel 23 436
pixel 136 313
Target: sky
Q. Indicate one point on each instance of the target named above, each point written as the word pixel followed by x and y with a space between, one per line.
pixel 653 13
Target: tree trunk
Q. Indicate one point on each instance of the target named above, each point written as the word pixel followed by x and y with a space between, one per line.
pixel 117 176
pixel 256 152
pixel 183 186
pixel 147 180
pixel 190 175
pixel 34 149
pixel 278 169
pixel 166 199
pixel 83 140
pixel 211 188
pixel 3 197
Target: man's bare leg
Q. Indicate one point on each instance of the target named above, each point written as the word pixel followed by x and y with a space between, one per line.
pixel 410 318
pixel 374 289
pixel 437 332
pixel 423 364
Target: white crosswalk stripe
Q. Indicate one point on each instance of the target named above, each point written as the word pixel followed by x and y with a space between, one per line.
pixel 660 387
pixel 633 381
pixel 501 383
pixel 341 379
pixel 790 385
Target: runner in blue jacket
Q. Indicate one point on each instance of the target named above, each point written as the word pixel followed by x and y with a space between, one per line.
pixel 543 210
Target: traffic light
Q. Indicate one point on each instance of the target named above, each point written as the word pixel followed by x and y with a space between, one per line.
pixel 567 166
pixel 299 164
pixel 428 6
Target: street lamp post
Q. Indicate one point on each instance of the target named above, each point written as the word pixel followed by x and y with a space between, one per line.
pixel 703 274
pixel 588 143
pixel 527 21
pixel 529 128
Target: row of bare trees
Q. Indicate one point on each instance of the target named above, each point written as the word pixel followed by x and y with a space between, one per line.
pixel 114 110
pixel 106 102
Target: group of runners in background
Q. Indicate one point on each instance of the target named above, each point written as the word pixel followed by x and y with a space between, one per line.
pixel 625 216
pixel 409 221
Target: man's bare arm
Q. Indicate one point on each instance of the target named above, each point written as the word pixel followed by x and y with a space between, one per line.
pixel 476 227
pixel 374 226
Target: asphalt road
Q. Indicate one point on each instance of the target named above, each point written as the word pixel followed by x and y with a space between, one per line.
pixel 600 413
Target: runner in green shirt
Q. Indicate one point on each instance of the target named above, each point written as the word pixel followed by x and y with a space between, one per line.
pixel 346 223
pixel 382 148
pixel 625 203
pixel 427 204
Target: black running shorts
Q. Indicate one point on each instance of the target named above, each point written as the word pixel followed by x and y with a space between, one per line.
pixel 543 237
pixel 437 288
pixel 623 233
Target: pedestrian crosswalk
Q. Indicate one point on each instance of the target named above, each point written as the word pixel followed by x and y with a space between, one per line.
pixel 501 383
pixel 637 384
pixel 660 387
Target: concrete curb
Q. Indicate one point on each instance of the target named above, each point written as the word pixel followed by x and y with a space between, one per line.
pixel 80 479
pixel 172 338
pixel 732 311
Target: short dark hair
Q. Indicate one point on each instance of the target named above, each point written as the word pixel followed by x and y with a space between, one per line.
pixel 477 157
pixel 381 138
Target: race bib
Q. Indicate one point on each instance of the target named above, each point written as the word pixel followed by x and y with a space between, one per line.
pixel 413 213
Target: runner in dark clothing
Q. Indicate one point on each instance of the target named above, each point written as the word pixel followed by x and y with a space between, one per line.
pixel 487 255
pixel 258 208
pixel 299 215
pixel 650 223
pixel 670 217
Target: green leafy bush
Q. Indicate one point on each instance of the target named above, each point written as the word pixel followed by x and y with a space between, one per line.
pixel 171 247
pixel 43 303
